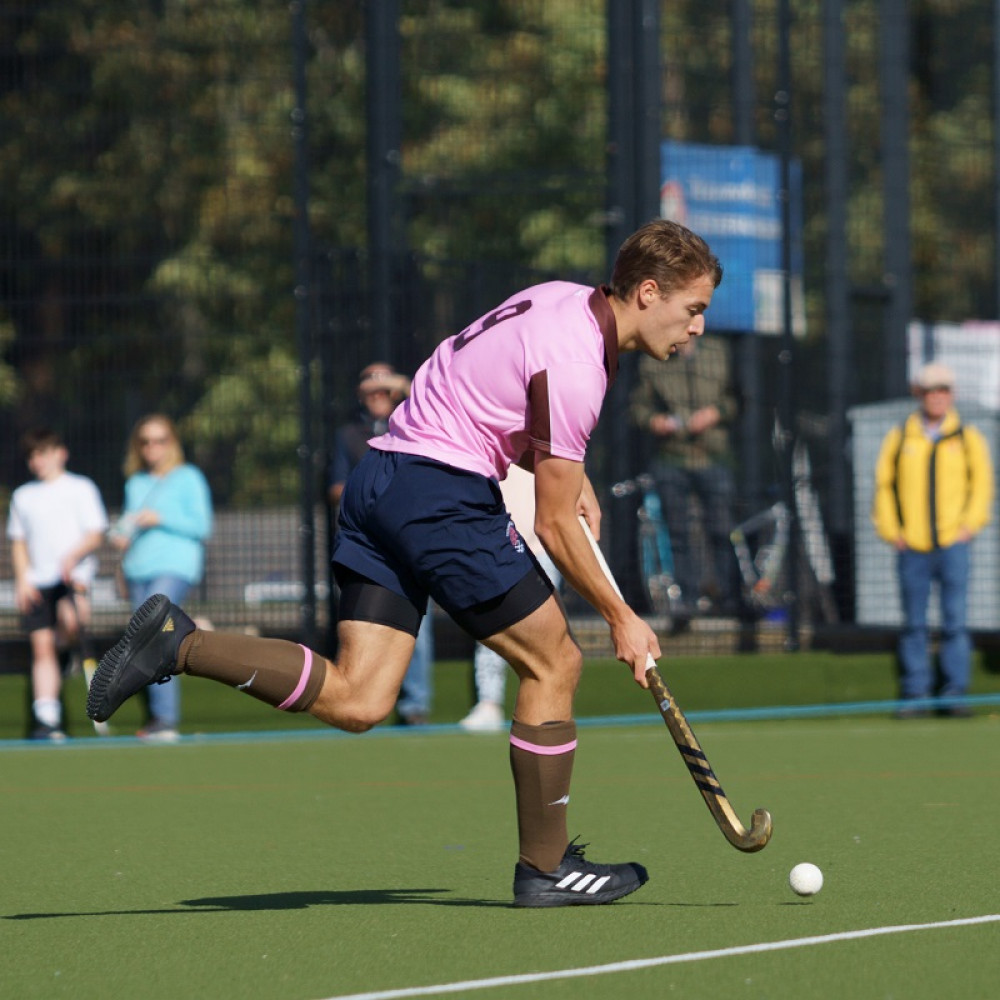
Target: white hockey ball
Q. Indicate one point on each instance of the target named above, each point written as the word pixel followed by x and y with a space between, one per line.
pixel 805 879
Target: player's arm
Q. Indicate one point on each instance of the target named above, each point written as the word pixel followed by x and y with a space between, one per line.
pixel 25 594
pixel 561 489
pixel 91 542
pixel 885 514
pixel 981 480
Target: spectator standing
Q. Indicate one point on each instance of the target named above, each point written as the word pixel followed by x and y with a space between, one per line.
pixel 687 405
pixel 56 524
pixel 933 490
pixel 380 390
pixel 165 522
pixel 489 668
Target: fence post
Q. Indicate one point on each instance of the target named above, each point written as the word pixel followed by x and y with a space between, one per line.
pixel 839 335
pixel 634 82
pixel 786 353
pixel 894 66
pixel 303 300
pixel 384 138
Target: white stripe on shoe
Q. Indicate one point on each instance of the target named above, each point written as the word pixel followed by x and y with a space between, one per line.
pixel 577 882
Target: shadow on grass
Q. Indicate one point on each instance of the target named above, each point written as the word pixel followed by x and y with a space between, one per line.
pixel 285 901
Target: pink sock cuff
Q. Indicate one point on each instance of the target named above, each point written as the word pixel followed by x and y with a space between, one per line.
pixel 303 680
pixel 543 751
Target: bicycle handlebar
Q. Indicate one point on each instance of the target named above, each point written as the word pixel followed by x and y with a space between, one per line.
pixel 642 483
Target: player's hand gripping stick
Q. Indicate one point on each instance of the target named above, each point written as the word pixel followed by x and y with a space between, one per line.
pixel 701 771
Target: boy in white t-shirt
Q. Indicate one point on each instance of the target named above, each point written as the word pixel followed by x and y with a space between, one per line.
pixel 56 524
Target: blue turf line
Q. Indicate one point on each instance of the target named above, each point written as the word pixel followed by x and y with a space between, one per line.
pixel 772 713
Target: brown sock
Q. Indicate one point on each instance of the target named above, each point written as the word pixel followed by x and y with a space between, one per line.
pixel 281 673
pixel 541 760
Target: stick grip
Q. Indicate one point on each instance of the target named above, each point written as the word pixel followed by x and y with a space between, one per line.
pixel 606 569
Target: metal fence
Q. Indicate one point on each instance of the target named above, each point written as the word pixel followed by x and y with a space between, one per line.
pixel 223 211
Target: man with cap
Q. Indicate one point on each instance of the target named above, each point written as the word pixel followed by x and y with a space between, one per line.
pixel 933 490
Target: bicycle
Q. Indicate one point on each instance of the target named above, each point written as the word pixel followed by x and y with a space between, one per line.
pixel 656 558
pixel 762 544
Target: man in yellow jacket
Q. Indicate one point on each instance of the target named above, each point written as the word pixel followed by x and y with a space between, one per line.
pixel 933 490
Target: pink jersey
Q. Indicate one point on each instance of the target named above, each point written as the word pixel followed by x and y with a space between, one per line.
pixel 530 375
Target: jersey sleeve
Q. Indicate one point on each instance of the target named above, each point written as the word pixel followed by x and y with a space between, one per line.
pixel 15 529
pixel 564 403
pixel 981 481
pixel 885 512
pixel 93 516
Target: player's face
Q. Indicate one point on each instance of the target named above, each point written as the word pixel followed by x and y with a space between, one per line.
pixel 47 463
pixel 378 402
pixel 672 320
pixel 936 401
pixel 154 443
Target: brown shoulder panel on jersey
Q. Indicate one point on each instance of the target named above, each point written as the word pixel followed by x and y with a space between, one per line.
pixel 539 423
pixel 605 317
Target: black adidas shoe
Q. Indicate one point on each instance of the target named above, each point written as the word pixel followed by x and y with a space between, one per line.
pixel 576 881
pixel 145 654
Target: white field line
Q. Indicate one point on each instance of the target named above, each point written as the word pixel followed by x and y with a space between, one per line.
pixel 649 963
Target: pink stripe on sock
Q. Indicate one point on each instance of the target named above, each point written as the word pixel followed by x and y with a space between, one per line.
pixel 303 680
pixel 544 751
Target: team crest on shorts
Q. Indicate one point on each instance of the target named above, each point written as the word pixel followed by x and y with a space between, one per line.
pixel 515 539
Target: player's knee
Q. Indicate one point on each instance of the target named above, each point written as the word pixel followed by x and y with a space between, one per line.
pixel 564 668
pixel 573 669
pixel 361 713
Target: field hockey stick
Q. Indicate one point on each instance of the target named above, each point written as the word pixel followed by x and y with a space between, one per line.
pixel 754 839
pixel 87 658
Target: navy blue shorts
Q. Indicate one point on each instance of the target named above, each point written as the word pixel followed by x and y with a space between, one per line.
pixel 418 528
pixel 43 614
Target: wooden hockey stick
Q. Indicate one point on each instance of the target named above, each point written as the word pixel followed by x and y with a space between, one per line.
pixel 754 839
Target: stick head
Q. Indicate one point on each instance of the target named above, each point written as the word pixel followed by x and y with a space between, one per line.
pixel 758 835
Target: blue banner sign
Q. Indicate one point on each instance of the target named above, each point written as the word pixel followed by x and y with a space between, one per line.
pixel 730 196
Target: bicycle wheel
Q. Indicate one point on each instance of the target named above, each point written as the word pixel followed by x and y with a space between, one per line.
pixel 658 583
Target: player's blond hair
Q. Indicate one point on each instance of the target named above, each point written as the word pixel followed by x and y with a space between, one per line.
pixel 134 461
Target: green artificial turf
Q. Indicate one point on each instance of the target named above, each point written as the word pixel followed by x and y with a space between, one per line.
pixel 320 866
pixel 606 689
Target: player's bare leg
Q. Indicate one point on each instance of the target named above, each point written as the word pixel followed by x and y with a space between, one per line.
pixel 45 676
pixel 361 687
pixel 355 693
pixel 551 871
pixel 46 683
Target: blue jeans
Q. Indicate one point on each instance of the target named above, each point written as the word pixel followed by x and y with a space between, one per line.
pixel 950 567
pixel 164 699
pixel 418 684
pixel 715 487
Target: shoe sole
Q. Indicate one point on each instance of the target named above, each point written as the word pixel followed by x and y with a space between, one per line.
pixel 100 708
pixel 561 897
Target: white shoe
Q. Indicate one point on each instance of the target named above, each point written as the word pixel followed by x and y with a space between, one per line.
pixel 485 717
pixel 158 732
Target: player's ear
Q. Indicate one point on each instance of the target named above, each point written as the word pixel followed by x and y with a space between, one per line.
pixel 648 293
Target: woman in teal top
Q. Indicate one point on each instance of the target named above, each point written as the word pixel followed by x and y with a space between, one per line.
pixel 165 522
